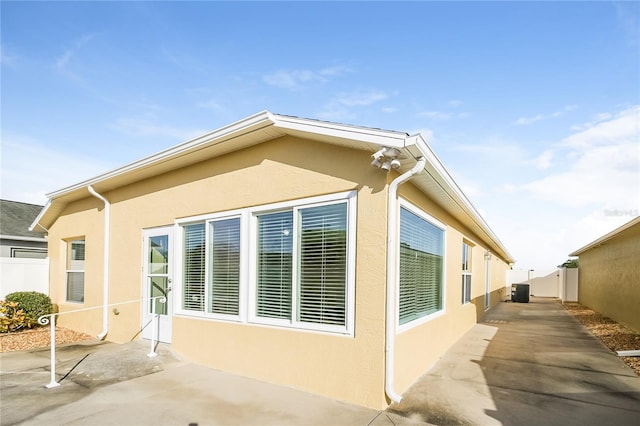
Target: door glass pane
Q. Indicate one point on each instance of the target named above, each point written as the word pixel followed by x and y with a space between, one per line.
pixel 158 287
pixel 158 254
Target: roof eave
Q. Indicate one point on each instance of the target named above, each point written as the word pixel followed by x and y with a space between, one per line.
pixel 600 241
pixel 475 221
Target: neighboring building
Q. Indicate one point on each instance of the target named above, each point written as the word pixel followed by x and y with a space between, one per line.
pixel 286 256
pixel 609 278
pixel 16 240
pixel 23 253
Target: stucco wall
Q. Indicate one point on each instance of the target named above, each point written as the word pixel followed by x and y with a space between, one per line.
pixel 609 278
pixel 419 347
pixel 350 368
pixel 344 367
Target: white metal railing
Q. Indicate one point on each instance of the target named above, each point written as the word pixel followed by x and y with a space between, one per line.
pixel 46 319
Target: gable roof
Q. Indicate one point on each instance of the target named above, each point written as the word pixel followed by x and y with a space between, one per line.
pixel 15 219
pixel 434 180
pixel 602 240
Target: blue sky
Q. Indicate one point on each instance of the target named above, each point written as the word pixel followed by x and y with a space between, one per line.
pixel 533 107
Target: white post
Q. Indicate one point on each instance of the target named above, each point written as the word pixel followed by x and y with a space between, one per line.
pixel 44 320
pixel 154 318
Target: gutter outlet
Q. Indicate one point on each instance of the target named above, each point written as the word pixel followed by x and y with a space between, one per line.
pixel 105 276
pixel 391 277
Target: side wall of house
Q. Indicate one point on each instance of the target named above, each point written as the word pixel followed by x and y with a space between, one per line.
pixel 609 278
pixel 340 366
pixel 419 347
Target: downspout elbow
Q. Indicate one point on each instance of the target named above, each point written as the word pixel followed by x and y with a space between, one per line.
pixel 391 278
pixel 105 277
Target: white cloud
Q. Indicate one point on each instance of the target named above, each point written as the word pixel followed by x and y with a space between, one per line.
pixel 295 79
pixel 602 166
pixel 5 57
pixel 62 60
pixel 454 103
pixel 543 161
pixel 524 121
pixel 148 127
pixel 360 98
pixel 30 170
pixel 436 115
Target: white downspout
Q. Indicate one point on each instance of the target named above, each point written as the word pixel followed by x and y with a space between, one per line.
pixel 391 277
pixel 105 276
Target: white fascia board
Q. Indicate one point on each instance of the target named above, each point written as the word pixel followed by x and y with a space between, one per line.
pixel 39 217
pixel 19 238
pixel 457 195
pixel 261 119
pixel 606 237
pixel 388 138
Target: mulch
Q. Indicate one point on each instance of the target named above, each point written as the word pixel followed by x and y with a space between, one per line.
pixel 615 336
pixel 39 337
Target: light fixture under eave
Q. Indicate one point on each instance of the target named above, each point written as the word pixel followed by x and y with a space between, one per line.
pixel 386 159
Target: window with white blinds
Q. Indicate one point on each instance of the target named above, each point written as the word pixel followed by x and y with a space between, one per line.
pixel 323 264
pixel 274 269
pixel 75 270
pixel 421 267
pixel 288 264
pixel 224 265
pixel 466 273
pixel 319 264
pixel 193 274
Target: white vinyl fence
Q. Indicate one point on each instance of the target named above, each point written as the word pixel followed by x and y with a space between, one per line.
pixel 561 283
pixel 20 274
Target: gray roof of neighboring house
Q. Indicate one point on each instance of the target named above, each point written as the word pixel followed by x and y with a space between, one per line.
pixel 15 219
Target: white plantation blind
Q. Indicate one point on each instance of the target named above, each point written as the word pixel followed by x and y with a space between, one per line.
pixel 75 270
pixel 224 285
pixel 421 265
pixel 323 264
pixel 274 268
pixel 194 267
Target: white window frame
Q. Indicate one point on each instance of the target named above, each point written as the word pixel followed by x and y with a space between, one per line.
pixel 248 258
pixel 403 203
pixel 179 258
pixel 350 199
pixel 68 244
pixel 467 272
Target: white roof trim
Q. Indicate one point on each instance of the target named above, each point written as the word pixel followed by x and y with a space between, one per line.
pixel 606 237
pixel 19 238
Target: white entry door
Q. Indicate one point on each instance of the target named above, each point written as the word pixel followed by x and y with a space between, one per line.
pixel 156 282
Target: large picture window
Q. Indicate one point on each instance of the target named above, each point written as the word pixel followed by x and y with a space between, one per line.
pixel 75 270
pixel 318 264
pixel 421 267
pixel 288 264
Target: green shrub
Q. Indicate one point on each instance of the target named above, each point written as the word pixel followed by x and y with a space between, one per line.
pixel 11 317
pixel 33 304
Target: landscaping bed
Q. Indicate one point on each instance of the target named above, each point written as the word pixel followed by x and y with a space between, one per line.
pixel 615 336
pixel 39 337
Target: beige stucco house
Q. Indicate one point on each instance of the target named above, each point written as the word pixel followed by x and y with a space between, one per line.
pixel 336 259
pixel 609 274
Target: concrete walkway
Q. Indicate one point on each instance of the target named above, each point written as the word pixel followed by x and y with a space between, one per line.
pixel 110 384
pixel 525 364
